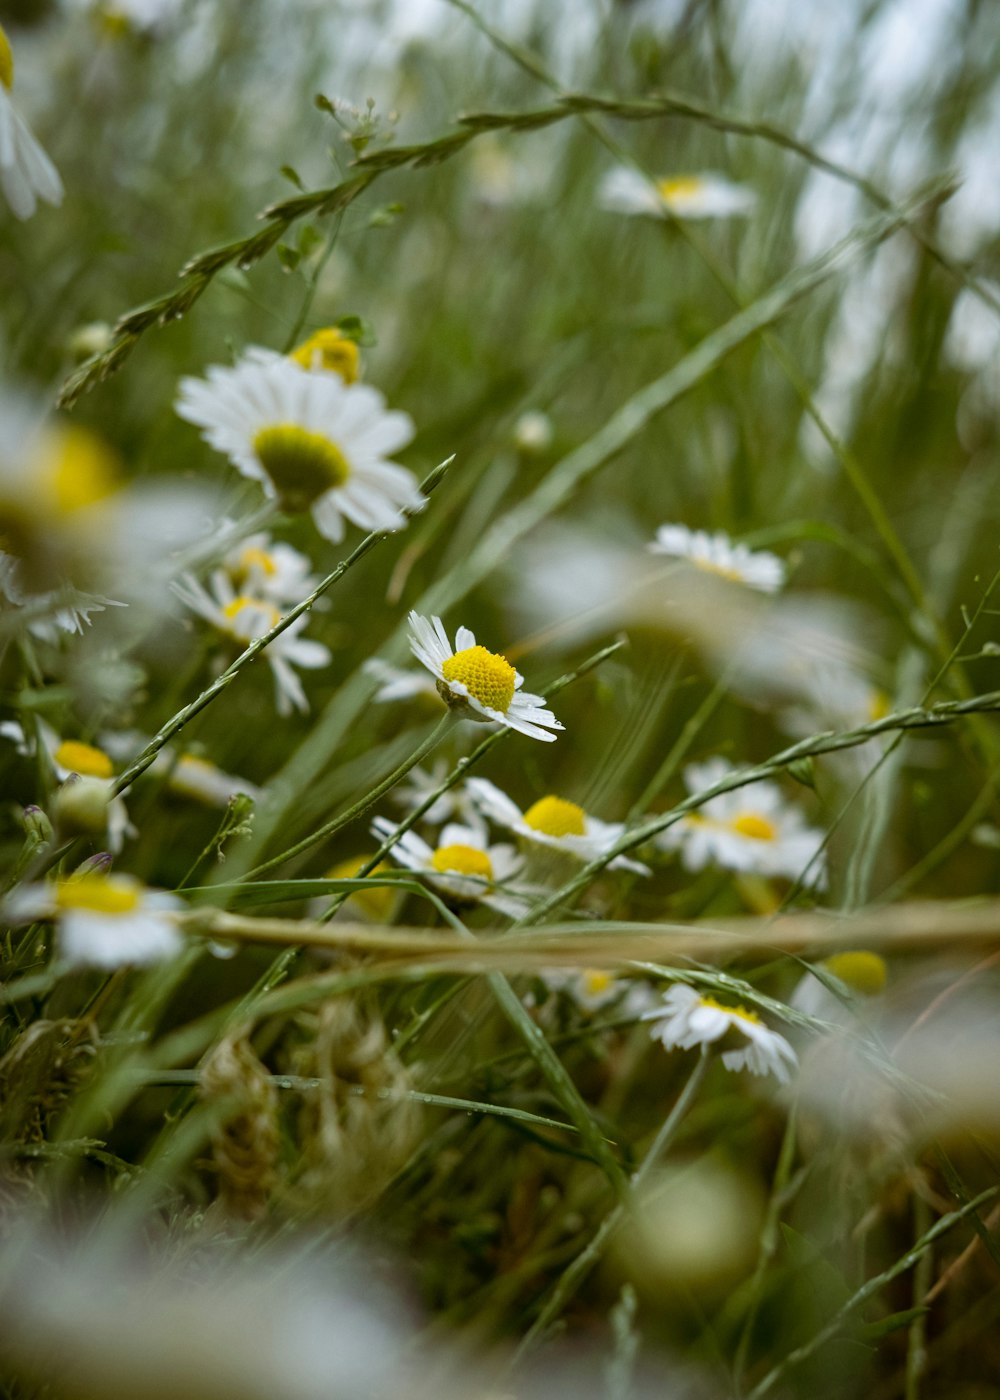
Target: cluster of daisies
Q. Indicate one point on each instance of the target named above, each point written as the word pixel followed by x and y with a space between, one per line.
pixel 316 440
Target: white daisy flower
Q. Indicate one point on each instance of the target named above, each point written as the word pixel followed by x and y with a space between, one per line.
pixel 750 829
pixel 456 804
pixel 74 760
pixel 462 864
pixel 26 173
pixel 686 1020
pixel 553 822
pixel 103 921
pixel 243 619
pixel 708 195
pixel 863 974
pixel 473 679
pixel 311 440
pixel 273 571
pixel 716 554
pixel 593 988
pixel 396 683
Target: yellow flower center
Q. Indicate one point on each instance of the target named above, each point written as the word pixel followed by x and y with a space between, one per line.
pixel 83 759
pixel 81 470
pixel 862 971
pixel 303 465
pixel 740 1012
pixel 378 902
pixel 678 188
pixel 328 349
pixel 879 705
pixel 596 982
pixel 462 860
pixel 554 816
pixel 253 558
pixel 100 894
pixel 754 826
pixel 487 677
pixel 6 61
pixel 250 617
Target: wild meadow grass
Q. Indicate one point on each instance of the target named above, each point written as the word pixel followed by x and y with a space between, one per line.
pixel 498 747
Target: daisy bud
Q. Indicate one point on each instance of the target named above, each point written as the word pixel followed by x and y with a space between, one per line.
pixel 37 826
pixel 81 806
pixel 533 433
pixel 99 864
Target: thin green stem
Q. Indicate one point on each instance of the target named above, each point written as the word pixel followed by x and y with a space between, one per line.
pixel 868 1291
pixel 828 742
pixel 581 1266
pixel 357 809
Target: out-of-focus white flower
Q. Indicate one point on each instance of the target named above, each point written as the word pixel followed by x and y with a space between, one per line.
pixel 71 524
pixel 201 780
pixel 473 679
pixel 707 195
pixel 375 905
pixel 839 697
pixel 553 822
pixel 26 173
pixel 311 440
pixel 103 920
pixel 47 614
pixel 243 618
pixel 74 760
pixel 185 774
pixel 686 1020
pixel 533 432
pixel 265 1324
pixel 456 804
pixel 751 829
pixel 593 988
pixel 269 570
pixel 397 683
pixel 717 554
pixel 462 864
pixel 862 973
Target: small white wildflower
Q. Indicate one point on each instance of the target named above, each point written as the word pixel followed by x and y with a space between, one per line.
pixel 593 988
pixel 462 864
pixel 686 1020
pixel 707 195
pixel 553 822
pixel 243 619
pixel 474 679
pixel 716 554
pixel 749 829
pixel 311 440
pixel 104 921
pixel 26 173
pixel 273 571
